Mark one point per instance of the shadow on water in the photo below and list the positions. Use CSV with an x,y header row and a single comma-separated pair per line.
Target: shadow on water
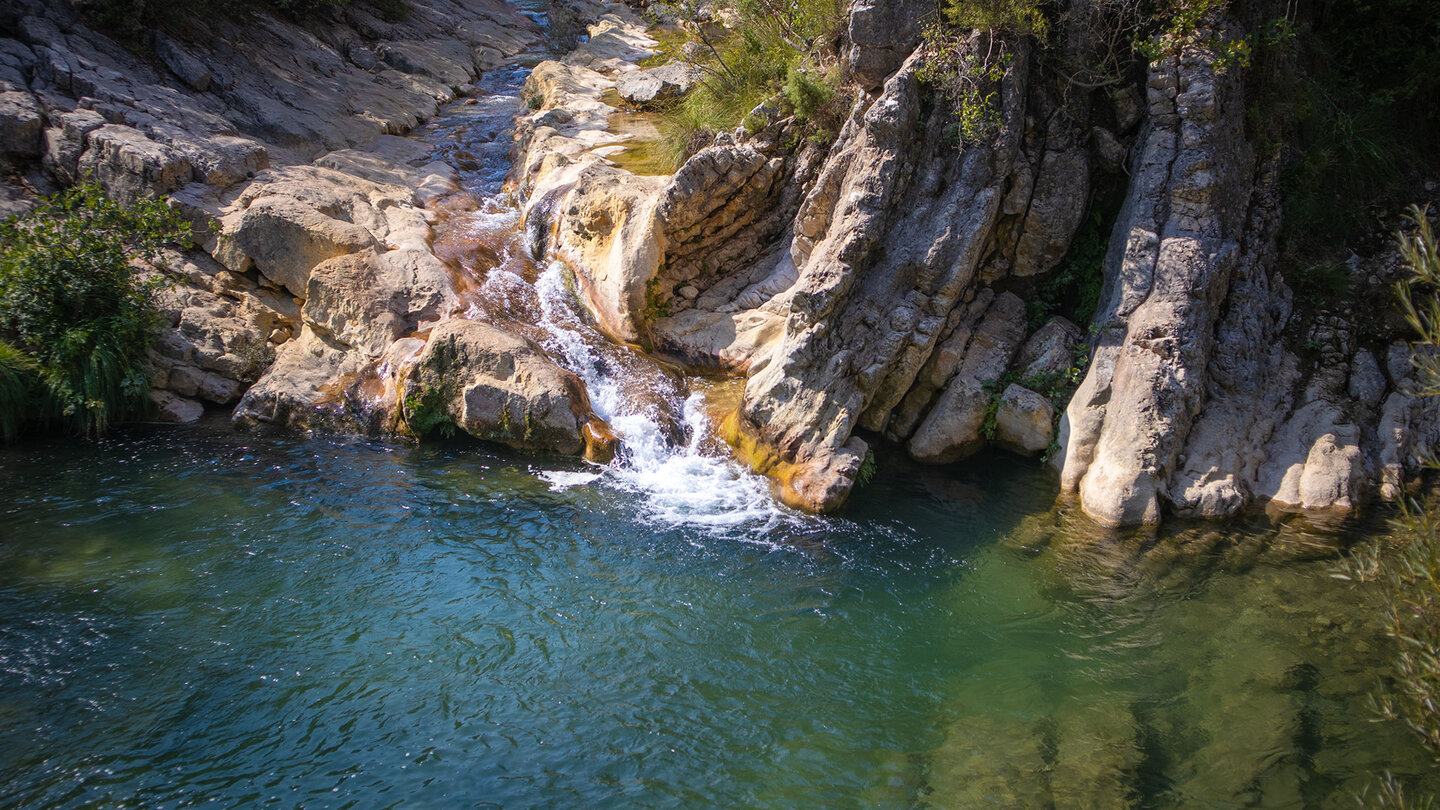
x,y
1203,665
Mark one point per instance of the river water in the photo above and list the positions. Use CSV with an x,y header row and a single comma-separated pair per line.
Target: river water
x,y
200,615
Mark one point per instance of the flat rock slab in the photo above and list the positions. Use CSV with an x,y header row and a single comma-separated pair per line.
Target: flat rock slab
x,y
657,85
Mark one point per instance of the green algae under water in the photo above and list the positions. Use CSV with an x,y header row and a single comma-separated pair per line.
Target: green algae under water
x,y
207,616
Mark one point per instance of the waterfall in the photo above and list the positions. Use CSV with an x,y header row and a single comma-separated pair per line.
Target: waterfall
x,y
669,464
679,482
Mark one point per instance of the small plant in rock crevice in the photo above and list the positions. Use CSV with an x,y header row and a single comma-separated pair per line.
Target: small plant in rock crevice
x,y
1058,387
1075,284
866,473
657,304
425,413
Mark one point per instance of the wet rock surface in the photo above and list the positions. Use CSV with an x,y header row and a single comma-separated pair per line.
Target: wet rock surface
x,y
497,386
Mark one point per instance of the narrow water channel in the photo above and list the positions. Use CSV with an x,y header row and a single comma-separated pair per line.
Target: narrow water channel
x,y
200,615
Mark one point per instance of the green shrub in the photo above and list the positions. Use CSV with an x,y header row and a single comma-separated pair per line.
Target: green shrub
x,y
806,92
18,381
866,473
1410,577
746,67
1343,94
1022,17
1074,287
966,78
73,312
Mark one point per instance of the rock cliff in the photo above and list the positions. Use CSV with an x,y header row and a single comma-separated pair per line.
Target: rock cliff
x,y
897,282
878,289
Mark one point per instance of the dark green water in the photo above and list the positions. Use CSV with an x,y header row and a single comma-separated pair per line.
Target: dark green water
x,y
194,617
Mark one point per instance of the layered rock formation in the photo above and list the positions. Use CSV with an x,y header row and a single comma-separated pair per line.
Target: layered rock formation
x,y
315,290
880,286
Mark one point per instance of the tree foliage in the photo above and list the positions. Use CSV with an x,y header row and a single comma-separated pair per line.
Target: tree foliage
x,y
75,318
1410,575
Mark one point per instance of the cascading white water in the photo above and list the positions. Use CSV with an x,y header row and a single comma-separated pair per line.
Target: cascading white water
x,y
678,477
679,483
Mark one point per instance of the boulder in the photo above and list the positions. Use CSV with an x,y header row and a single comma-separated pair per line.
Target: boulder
x,y
172,408
657,85
498,386
130,165
881,34
1024,421
348,301
64,142
21,123
953,428
285,239
1051,350
1315,461
1367,382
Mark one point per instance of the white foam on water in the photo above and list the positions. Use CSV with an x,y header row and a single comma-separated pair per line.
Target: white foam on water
x,y
678,485
561,480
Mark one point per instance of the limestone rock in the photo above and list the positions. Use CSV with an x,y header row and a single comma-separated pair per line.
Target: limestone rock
x,y
1024,421
1174,248
874,293
298,390
65,142
1367,382
657,85
348,301
220,321
1051,350
881,34
190,70
172,408
130,165
608,232
1315,461
260,76
20,124
717,341
285,238
498,386
617,40
953,428
1055,206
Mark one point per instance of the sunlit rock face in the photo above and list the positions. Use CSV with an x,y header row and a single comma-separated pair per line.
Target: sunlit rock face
x,y
895,297
306,273
891,281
